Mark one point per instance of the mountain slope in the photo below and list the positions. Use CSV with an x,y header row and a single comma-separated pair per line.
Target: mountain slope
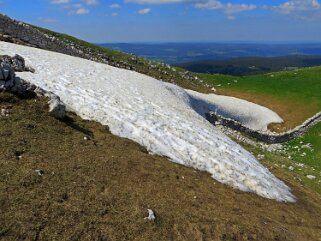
x,y
157,115
22,33
100,188
294,95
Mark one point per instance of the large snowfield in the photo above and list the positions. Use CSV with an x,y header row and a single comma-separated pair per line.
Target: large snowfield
x,y
164,118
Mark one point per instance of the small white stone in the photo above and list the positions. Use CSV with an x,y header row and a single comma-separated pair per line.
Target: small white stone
x,y
151,215
291,168
311,177
39,172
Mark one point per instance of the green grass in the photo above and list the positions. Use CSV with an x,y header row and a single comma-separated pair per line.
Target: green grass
x,y
312,157
295,90
303,85
294,95
293,165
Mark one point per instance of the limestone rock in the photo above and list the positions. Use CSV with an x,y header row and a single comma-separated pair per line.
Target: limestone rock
x,y
56,108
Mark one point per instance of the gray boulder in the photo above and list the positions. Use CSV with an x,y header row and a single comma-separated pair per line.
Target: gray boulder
x,y
7,76
56,108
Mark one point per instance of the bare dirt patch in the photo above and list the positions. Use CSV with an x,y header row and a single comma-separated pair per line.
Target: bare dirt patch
x,y
99,188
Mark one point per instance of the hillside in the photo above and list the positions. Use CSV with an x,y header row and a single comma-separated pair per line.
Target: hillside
x,y
294,95
100,188
129,144
252,65
23,33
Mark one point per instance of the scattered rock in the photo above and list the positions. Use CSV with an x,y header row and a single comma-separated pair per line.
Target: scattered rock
x,y
300,165
311,177
56,108
151,215
39,172
303,154
260,157
307,146
4,112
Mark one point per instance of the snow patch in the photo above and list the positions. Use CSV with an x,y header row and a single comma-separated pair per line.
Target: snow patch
x,y
250,115
160,116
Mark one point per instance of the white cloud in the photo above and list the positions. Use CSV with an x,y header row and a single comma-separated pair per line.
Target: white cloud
x,y
114,14
78,9
158,1
228,8
81,11
295,6
114,5
91,2
144,11
60,1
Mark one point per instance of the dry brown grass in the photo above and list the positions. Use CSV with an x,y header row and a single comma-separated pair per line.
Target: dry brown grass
x,y
100,189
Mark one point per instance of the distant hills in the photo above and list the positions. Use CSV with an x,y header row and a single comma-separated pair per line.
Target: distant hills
x,y
252,65
177,53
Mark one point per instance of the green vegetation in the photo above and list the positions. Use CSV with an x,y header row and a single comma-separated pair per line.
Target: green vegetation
x,y
303,85
294,95
307,149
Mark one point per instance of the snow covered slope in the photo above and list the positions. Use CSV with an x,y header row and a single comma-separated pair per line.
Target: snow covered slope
x,y
159,116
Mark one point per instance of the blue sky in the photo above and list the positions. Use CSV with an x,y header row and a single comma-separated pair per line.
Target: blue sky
x,y
102,21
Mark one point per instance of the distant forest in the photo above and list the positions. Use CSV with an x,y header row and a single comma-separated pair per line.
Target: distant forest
x,y
252,65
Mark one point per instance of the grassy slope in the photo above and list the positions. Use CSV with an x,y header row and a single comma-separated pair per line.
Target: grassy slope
x,y
100,189
312,157
294,95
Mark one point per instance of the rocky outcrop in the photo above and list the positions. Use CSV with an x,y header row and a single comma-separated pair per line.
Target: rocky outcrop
x,y
16,62
9,81
13,31
7,75
8,67
266,137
